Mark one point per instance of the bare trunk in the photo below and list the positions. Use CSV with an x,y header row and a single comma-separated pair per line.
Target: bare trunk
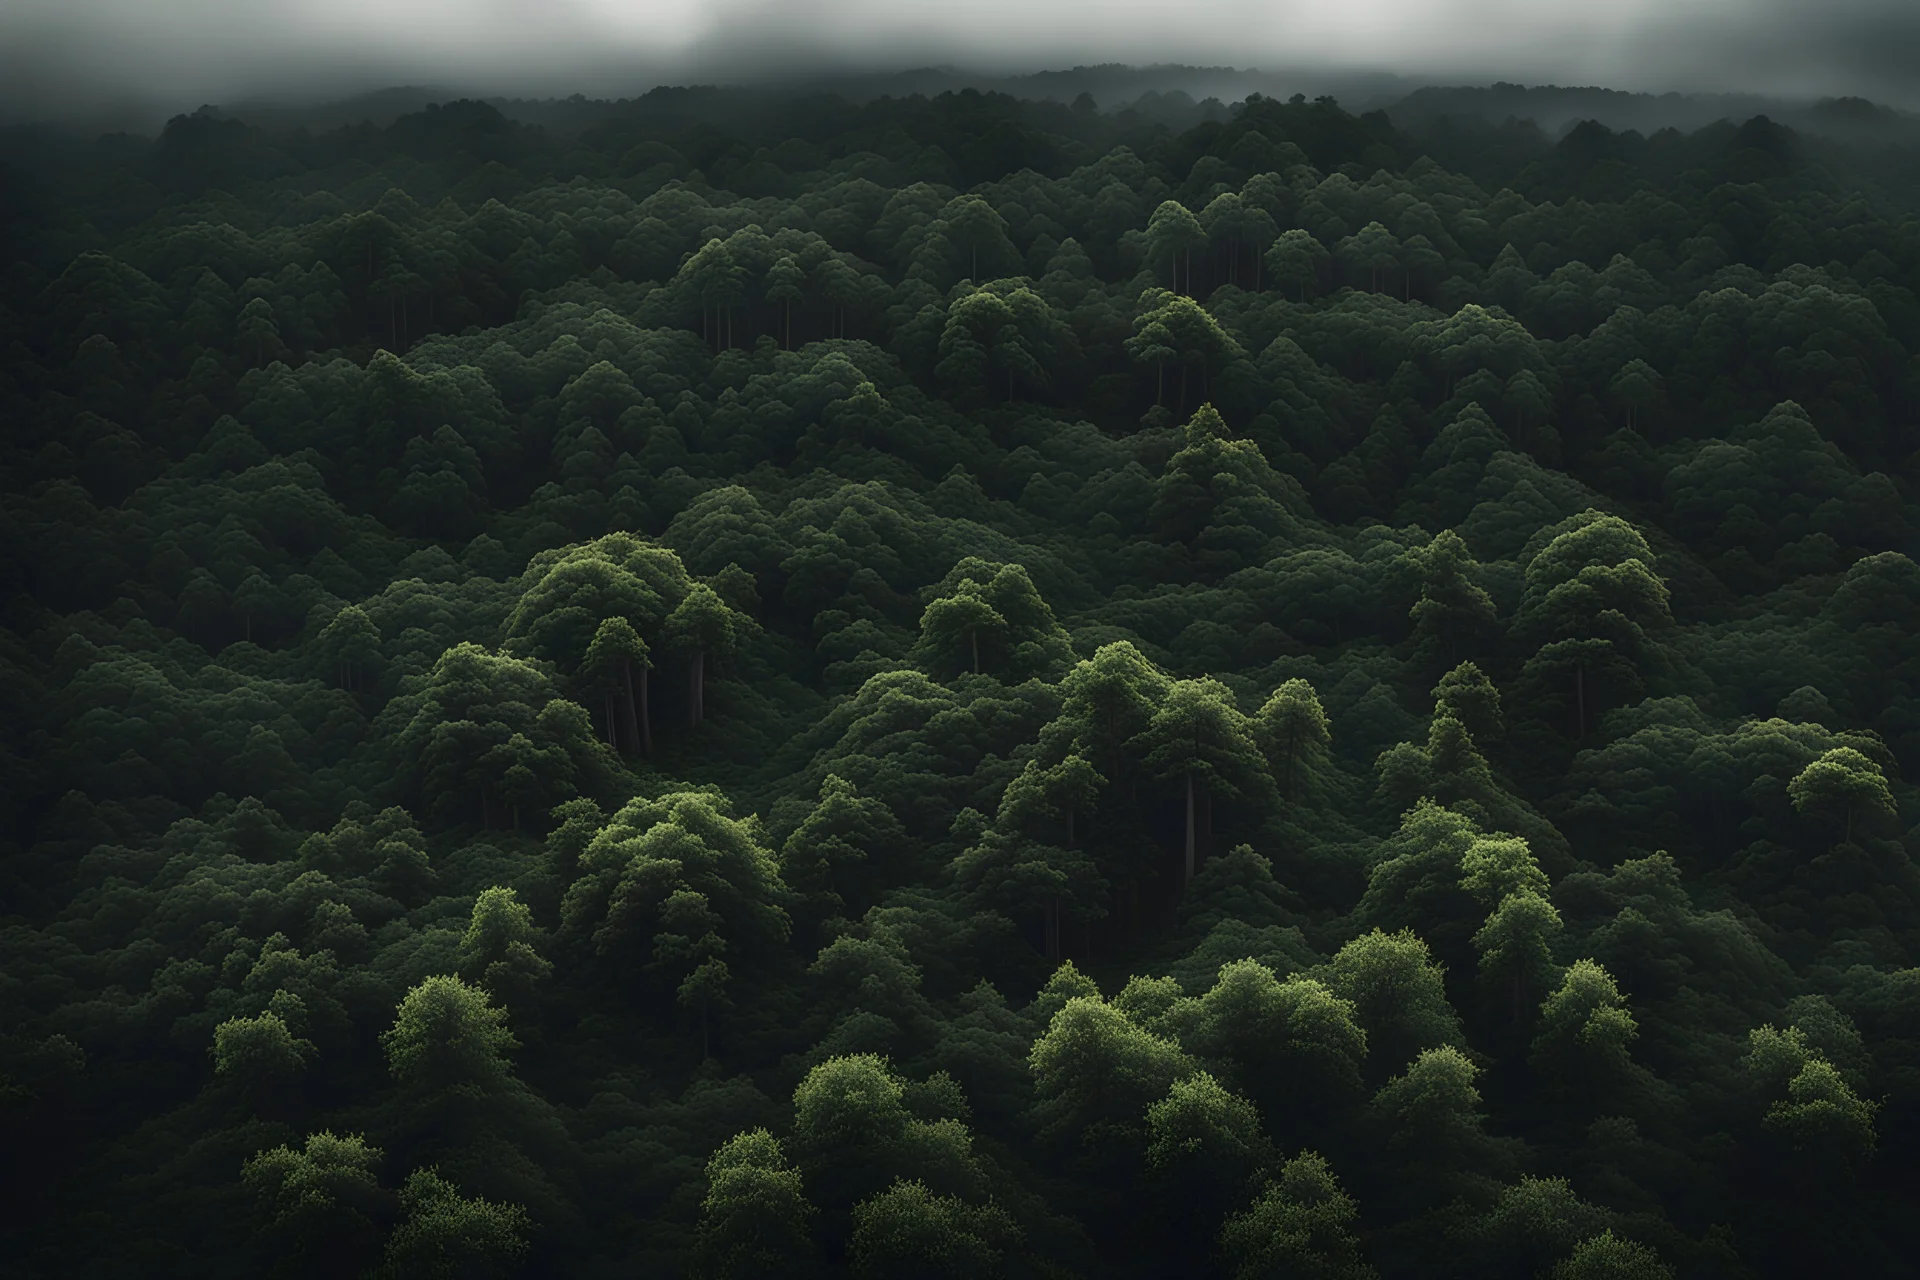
x,y
973,638
696,687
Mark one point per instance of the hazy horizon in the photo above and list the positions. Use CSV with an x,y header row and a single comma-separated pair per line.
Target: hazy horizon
x,y
89,58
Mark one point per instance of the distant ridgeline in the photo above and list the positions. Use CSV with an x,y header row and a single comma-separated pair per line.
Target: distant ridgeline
x,y
820,683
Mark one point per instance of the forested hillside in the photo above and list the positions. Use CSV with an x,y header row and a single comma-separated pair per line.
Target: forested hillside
x,y
958,687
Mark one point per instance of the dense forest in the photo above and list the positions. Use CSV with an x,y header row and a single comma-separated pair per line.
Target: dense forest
x,y
735,685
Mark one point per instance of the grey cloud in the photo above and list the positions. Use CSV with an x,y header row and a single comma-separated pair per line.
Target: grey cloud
x,y
75,56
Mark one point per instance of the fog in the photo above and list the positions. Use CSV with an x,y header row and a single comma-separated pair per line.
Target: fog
x,y
80,58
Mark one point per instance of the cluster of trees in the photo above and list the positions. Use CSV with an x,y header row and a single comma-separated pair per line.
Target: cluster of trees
x,y
958,687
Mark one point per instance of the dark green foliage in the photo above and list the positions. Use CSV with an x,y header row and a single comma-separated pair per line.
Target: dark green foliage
x,y
771,683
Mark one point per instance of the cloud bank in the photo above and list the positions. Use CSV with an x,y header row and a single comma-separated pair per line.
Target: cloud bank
x,y
67,56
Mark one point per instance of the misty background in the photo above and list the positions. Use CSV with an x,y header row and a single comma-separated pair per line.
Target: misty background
x,y
123,64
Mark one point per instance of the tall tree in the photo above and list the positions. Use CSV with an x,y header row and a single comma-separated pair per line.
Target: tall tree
x,y
1199,738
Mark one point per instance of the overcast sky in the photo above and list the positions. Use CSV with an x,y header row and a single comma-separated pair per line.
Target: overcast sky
x,y
67,54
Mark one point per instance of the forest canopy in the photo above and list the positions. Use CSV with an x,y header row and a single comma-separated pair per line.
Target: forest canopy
x,y
731,685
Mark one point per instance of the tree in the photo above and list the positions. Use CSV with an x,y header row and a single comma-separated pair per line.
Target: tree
x,y
1172,232
1466,695
1593,596
1844,780
324,1198
1636,387
843,850
755,1216
1399,997
990,617
1095,1073
1373,249
445,1234
1585,1028
715,279
1430,1119
689,946
350,644
1108,701
258,1052
974,224
1031,858
960,617
1198,737
612,657
1290,725
1453,611
1284,1043
447,1034
1206,1152
702,624
1822,1116
1609,1257
499,950
1516,948
1176,328
1493,867
1153,343
1296,258
786,285
1302,1225
1808,1105
908,1230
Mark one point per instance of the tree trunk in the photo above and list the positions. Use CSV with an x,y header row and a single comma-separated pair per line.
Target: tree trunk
x,y
696,687
612,742
973,638
646,718
631,713
1189,825
1053,930
787,326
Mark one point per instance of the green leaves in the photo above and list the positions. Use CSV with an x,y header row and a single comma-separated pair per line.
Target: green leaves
x,y
258,1051
445,1234
447,1034
1302,1225
1842,781
755,1216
